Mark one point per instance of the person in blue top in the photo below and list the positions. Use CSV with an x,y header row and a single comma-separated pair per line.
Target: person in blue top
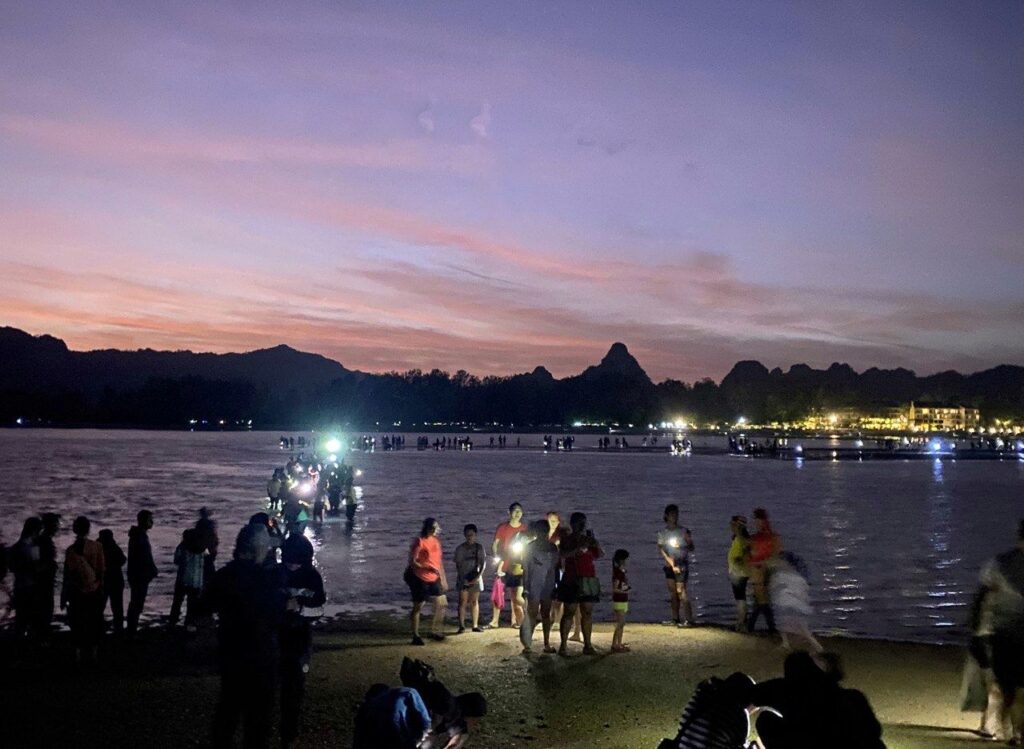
x,y
391,718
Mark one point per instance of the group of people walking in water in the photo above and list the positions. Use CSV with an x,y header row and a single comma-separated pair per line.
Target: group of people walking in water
x,y
547,572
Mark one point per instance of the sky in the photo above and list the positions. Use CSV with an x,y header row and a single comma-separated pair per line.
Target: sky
x,y
497,186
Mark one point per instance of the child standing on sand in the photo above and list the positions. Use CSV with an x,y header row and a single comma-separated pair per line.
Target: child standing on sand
x,y
620,598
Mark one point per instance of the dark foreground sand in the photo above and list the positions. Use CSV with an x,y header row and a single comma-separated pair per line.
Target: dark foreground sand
x,y
159,691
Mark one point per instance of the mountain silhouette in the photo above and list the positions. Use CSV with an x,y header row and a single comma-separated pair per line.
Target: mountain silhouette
x,y
43,382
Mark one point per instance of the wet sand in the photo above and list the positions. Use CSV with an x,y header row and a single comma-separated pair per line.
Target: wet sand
x,y
160,690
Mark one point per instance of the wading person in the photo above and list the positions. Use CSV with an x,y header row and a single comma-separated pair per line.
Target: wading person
x,y
113,581
82,591
675,545
470,561
579,587
304,588
764,545
739,568
141,568
249,601
540,569
997,618
426,579
508,547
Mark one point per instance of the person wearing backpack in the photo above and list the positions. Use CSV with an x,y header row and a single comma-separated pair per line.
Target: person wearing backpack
x,y
82,591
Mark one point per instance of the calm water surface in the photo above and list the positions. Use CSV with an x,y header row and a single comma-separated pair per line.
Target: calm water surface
x,y
894,548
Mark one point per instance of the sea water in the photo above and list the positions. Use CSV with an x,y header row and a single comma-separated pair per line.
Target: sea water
x,y
893,548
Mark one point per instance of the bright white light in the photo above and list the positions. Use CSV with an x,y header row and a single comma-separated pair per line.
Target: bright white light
x,y
859,443
359,472
333,458
674,542
577,423
1020,446
936,446
741,420
333,445
799,448
517,547
306,488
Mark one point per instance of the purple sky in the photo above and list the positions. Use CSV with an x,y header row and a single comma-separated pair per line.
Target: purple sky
x,y
493,186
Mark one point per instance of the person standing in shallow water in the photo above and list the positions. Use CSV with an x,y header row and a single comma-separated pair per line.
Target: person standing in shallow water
x,y
113,581
141,568
739,568
675,545
82,591
764,545
540,567
470,561
426,579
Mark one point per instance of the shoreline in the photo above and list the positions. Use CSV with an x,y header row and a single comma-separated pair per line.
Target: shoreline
x,y
162,687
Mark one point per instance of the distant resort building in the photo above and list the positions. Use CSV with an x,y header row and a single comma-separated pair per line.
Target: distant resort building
x,y
915,417
925,417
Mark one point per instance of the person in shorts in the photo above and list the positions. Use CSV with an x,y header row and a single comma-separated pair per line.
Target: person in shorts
x,y
508,549
620,598
426,579
579,587
675,545
739,568
470,561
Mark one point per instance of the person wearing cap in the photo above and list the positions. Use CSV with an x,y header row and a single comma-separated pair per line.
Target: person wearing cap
x,y
304,589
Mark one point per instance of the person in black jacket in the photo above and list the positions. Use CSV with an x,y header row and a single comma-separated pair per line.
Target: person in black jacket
x,y
113,581
304,589
141,568
249,601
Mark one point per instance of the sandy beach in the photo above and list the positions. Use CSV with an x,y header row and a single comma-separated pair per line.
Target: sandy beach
x,y
160,690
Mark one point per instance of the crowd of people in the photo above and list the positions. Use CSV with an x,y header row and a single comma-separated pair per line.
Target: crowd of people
x,y
265,598
546,571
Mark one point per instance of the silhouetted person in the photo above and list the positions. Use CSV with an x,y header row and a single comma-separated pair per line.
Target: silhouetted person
x,y
206,529
249,601
304,589
188,583
24,563
141,567
82,591
113,580
42,614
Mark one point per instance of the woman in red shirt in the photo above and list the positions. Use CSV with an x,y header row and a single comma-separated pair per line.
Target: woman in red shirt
x,y
426,579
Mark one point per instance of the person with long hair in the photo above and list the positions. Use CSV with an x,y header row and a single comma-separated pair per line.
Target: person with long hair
x,y
426,579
